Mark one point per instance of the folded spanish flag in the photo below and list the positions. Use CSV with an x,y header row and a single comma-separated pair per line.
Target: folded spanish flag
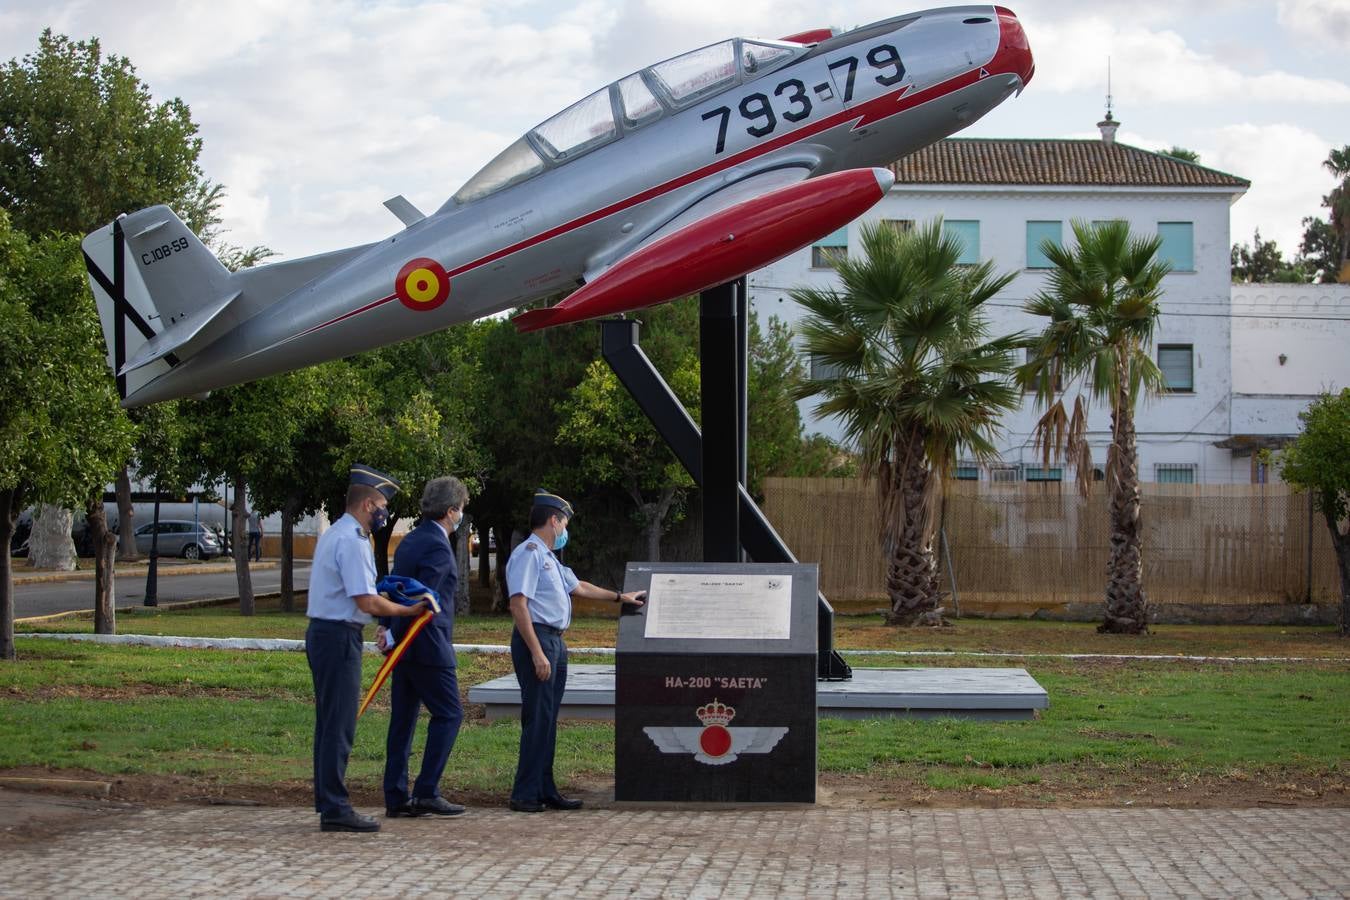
x,y
404,591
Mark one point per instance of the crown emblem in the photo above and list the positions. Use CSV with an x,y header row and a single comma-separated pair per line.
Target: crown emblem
x,y
715,713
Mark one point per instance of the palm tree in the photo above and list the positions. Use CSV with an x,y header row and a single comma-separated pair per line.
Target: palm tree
x,y
913,378
1102,305
1338,201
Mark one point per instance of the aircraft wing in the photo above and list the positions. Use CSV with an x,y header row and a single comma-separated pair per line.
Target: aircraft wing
x,y
740,229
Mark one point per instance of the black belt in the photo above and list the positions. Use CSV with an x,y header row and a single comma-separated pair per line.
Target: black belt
x,y
547,629
355,626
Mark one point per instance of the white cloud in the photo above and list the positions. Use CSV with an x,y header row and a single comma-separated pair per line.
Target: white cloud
x,y
1324,23
1284,164
1159,67
313,112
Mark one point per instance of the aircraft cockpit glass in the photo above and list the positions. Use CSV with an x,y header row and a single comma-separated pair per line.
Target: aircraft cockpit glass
x,y
757,58
697,73
578,128
514,164
639,103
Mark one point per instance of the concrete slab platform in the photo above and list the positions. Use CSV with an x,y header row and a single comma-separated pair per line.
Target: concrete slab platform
x,y
967,693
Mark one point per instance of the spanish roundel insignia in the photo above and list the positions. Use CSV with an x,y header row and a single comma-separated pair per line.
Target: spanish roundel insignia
x,y
715,744
422,284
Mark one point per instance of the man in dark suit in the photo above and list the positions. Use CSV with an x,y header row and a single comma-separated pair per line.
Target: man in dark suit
x,y
426,674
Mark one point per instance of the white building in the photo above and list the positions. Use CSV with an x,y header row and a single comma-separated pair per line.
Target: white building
x,y
1291,342
1003,197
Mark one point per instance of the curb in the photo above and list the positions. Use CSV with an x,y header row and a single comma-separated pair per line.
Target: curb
x,y
177,604
64,785
164,571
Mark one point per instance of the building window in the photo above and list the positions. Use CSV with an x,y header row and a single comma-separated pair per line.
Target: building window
x,y
1174,473
968,233
1040,473
827,251
966,472
1175,361
1003,474
1031,389
1037,233
823,371
901,225
1178,245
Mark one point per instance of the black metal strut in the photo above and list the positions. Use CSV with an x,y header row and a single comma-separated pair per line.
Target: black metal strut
x,y
715,459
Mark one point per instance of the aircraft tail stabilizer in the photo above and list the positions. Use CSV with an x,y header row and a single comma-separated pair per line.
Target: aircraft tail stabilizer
x,y
157,288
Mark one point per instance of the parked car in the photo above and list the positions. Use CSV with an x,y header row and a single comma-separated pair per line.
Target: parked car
x,y
473,541
178,537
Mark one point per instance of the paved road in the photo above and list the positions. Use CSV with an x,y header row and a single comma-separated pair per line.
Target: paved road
x,y
814,852
63,596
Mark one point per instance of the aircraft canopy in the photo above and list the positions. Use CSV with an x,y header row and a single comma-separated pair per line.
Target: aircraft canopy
x,y
627,104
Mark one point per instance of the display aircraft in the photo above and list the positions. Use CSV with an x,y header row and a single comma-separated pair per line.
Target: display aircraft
x,y
676,178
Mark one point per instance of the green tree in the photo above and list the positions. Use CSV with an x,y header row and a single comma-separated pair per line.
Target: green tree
x,y
235,432
420,422
524,380
1102,310
615,445
1338,203
1262,263
1319,461
1182,154
298,478
84,141
1325,248
774,424
1319,250
61,430
914,377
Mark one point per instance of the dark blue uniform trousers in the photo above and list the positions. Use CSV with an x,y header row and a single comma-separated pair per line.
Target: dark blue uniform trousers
x,y
334,653
539,704
416,685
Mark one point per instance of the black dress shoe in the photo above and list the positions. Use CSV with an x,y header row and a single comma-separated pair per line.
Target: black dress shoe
x,y
437,806
562,803
526,807
351,820
403,809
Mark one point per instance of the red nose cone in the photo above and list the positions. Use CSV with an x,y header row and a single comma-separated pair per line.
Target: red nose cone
x,y
1014,53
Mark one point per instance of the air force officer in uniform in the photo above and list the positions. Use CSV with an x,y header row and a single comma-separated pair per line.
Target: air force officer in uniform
x,y
426,674
541,590
342,599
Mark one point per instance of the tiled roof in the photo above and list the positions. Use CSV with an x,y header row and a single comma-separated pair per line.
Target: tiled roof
x,y
1053,162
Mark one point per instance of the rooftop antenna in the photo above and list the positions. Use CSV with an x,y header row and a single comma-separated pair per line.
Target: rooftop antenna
x,y
1109,124
1108,87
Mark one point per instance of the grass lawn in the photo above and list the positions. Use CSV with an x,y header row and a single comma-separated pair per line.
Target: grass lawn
x,y
1017,636
244,720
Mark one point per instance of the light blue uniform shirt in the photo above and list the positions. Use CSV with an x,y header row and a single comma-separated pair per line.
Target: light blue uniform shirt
x,y
343,568
534,571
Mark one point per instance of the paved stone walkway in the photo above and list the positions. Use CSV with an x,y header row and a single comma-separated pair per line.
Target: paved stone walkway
x,y
817,852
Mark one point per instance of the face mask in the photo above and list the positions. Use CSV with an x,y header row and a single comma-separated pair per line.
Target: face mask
x,y
560,541
378,519
454,526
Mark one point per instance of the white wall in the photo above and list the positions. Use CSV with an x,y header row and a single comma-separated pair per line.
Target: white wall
x,y
1173,429
1307,324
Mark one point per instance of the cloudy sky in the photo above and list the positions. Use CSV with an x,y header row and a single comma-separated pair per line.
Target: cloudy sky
x,y
313,113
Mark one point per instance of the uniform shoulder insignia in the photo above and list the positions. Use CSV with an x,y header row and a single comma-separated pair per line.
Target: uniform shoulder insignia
x,y
530,546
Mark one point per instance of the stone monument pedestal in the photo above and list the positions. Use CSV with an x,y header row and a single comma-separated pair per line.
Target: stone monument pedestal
x,y
715,692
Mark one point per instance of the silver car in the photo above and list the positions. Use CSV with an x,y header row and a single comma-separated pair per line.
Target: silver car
x,y
179,537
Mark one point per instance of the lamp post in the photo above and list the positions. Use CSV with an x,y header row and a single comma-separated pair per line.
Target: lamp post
x,y
152,573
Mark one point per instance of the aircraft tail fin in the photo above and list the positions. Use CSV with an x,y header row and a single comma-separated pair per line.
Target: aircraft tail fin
x,y
157,288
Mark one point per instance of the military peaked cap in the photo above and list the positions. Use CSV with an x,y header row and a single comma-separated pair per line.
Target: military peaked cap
x,y
545,498
385,484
